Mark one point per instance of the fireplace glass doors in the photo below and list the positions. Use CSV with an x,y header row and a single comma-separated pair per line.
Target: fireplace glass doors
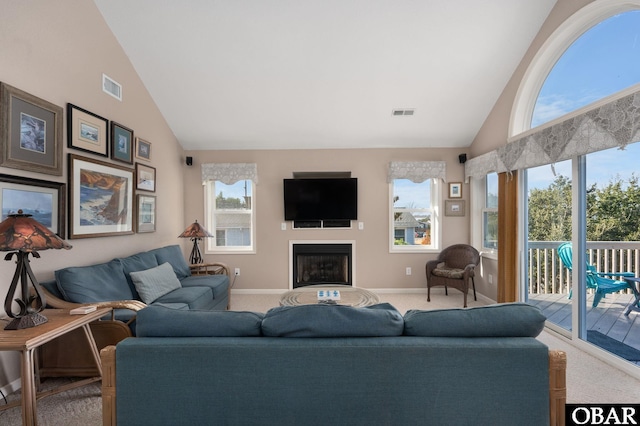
x,y
315,264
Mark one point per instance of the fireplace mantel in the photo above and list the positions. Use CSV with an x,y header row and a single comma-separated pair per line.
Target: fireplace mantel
x,y
293,282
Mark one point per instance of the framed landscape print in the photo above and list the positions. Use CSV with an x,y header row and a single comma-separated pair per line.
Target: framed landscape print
x,y
143,149
101,198
455,190
87,131
146,213
145,177
45,201
454,208
30,132
121,143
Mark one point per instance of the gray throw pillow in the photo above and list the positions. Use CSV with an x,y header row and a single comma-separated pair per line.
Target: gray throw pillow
x,y
498,320
332,321
155,282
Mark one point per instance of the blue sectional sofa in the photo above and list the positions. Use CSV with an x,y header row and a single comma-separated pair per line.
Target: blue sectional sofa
x,y
335,365
156,277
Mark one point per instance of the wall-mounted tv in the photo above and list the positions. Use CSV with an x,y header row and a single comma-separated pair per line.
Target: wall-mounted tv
x,y
321,199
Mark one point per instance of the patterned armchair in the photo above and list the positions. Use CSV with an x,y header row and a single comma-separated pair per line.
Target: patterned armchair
x,y
454,267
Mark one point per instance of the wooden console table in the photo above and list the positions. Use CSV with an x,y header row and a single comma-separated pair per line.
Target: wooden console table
x,y
27,340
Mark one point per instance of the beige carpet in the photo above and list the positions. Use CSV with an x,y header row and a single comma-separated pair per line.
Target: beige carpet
x,y
589,380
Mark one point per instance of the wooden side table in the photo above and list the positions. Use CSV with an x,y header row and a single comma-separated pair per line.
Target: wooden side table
x,y
27,340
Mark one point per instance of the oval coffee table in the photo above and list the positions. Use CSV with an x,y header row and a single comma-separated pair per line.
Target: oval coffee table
x,y
350,296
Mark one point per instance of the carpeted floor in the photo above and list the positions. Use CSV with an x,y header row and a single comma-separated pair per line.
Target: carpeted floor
x,y
589,380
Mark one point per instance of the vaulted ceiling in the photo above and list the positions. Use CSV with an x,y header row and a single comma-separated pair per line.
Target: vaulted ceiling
x,y
285,74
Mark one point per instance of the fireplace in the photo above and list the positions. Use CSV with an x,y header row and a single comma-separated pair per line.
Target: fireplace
x,y
321,263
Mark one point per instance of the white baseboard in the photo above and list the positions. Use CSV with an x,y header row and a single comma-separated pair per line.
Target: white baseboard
x,y
11,387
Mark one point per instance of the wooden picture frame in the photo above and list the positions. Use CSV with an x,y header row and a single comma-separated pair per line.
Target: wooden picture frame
x,y
455,190
454,208
145,177
45,201
30,132
121,143
146,213
143,149
100,198
87,131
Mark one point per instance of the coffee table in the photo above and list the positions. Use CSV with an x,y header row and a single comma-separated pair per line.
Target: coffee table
x,y
349,295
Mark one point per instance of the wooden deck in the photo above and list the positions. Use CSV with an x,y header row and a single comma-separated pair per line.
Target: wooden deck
x,y
608,317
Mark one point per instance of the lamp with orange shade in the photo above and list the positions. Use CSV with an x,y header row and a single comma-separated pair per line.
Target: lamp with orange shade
x,y
22,235
196,232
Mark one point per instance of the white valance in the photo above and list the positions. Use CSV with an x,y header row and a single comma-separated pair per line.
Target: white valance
x,y
615,123
417,171
229,173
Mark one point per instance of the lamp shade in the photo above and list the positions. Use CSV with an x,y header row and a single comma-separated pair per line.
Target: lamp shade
x,y
195,230
22,232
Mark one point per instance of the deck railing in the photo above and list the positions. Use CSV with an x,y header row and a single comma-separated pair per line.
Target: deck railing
x,y
547,274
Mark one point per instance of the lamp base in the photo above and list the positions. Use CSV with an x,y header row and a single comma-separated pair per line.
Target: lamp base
x,y
27,321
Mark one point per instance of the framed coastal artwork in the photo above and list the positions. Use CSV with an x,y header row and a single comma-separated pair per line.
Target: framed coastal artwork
x,y
146,213
43,200
143,149
30,132
101,198
455,190
145,177
121,143
87,131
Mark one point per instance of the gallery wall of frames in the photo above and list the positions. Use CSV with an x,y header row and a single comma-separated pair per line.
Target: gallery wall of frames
x,y
110,180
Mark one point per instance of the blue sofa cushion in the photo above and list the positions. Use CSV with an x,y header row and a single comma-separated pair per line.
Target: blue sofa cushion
x,y
219,284
332,321
96,283
155,282
160,321
174,256
499,320
195,297
137,262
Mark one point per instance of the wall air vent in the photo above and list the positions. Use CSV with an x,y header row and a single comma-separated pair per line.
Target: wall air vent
x,y
399,112
111,87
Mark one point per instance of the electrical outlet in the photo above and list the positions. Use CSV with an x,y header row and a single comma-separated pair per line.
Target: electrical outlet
x,y
490,279
408,270
237,272
360,226
283,226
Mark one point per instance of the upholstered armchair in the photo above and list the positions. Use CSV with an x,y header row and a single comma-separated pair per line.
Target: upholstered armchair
x,y
454,267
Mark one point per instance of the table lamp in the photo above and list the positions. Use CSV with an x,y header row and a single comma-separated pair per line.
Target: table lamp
x,y
21,235
196,232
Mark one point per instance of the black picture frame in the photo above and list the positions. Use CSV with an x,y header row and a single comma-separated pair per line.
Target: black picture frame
x,y
44,200
87,131
30,132
145,178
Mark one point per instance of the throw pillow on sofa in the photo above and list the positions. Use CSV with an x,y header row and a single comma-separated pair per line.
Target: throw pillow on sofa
x,y
498,320
155,282
333,321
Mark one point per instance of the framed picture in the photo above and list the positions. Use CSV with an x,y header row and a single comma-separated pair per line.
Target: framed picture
x,y
87,131
101,198
121,143
143,149
455,190
145,177
146,213
45,201
454,208
30,132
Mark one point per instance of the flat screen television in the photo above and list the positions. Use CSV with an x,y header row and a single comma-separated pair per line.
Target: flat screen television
x,y
321,199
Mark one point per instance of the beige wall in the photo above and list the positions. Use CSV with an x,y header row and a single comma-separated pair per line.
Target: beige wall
x,y
58,50
375,266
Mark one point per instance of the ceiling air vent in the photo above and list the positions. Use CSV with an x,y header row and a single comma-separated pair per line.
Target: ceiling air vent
x,y
111,87
399,112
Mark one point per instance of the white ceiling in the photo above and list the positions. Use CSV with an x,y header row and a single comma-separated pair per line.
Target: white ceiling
x,y
283,74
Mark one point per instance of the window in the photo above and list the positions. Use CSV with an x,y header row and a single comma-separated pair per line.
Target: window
x,y
414,223
230,216
490,213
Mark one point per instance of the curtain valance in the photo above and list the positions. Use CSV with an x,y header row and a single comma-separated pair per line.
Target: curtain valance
x,y
615,123
229,173
417,171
